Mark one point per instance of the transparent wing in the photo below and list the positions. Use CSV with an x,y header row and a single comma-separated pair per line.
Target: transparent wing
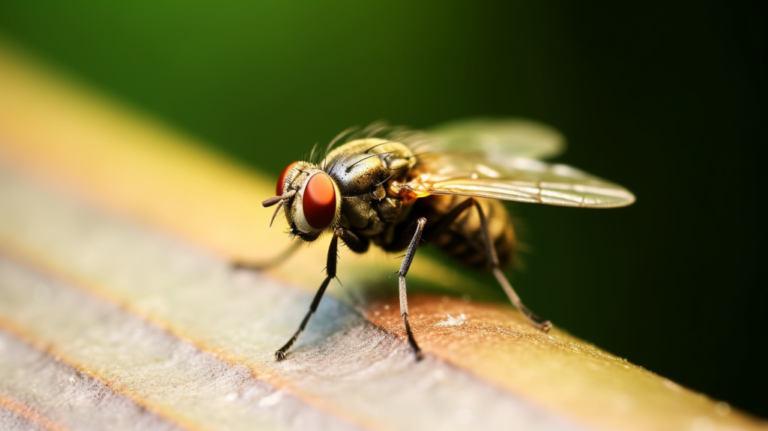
x,y
510,137
513,179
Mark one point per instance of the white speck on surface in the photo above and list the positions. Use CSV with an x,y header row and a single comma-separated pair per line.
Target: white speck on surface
x,y
271,400
453,321
439,374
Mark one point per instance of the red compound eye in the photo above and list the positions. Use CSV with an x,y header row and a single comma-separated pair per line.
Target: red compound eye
x,y
319,201
281,178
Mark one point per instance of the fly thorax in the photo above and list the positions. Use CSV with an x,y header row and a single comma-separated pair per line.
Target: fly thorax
x,y
358,174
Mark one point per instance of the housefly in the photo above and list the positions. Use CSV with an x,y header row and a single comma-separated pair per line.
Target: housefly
x,y
394,188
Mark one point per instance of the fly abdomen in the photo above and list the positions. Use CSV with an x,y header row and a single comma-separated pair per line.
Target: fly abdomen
x,y
463,239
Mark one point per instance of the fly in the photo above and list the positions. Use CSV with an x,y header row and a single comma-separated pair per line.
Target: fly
x,y
395,188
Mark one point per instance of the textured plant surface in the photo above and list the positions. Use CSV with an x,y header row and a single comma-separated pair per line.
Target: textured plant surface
x,y
119,308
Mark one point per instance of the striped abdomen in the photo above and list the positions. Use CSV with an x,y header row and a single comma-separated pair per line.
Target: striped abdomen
x,y
464,238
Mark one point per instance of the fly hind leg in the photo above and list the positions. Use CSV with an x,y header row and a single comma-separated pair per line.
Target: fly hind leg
x,y
544,325
493,258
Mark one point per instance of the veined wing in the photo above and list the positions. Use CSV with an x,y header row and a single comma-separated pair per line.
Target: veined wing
x,y
510,137
514,179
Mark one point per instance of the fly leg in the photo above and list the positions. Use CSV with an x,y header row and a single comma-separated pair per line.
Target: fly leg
x,y
330,271
353,241
404,266
270,263
544,325
493,259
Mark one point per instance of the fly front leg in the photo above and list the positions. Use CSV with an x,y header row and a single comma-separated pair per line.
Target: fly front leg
x,y
330,271
404,266
544,325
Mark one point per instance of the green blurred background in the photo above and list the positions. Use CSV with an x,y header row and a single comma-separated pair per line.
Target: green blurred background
x,y
662,98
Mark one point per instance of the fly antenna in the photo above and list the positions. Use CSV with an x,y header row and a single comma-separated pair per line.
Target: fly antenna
x,y
272,220
271,201
276,199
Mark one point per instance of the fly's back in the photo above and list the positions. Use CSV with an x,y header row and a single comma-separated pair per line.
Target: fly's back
x,y
364,169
